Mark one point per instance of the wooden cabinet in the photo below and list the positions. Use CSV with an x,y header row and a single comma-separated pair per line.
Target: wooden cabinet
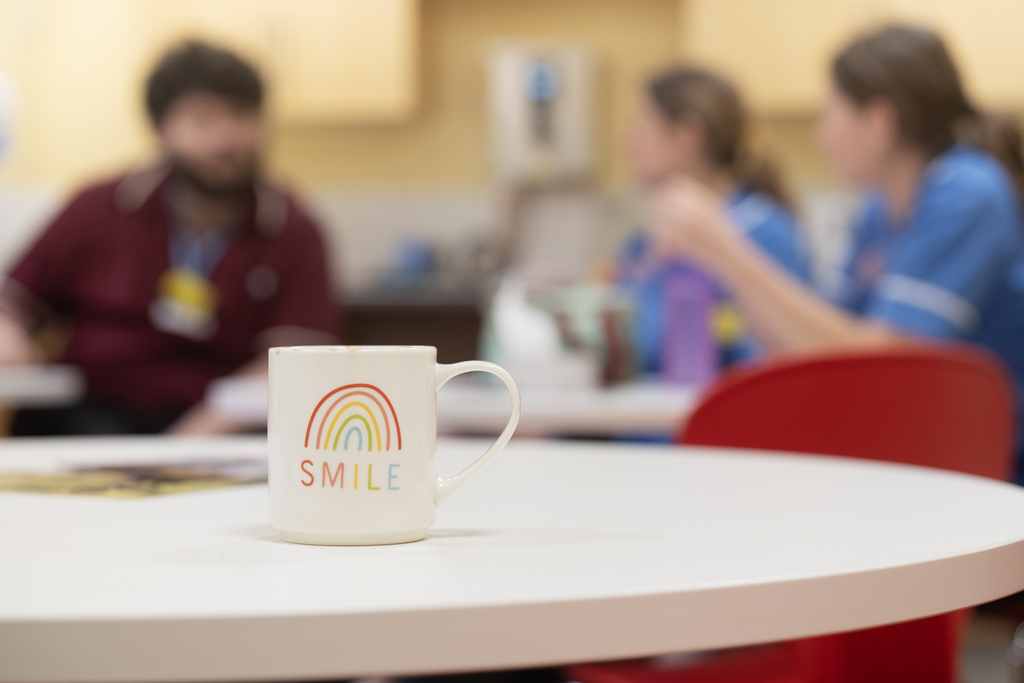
x,y
78,68
347,61
778,51
327,61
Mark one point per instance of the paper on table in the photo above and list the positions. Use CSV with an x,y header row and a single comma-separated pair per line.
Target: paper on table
x,y
138,481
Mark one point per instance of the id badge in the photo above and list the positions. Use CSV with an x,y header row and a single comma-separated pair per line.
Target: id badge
x,y
728,324
185,305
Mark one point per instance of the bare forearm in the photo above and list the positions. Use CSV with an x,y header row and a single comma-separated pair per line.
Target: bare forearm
x,y
787,316
254,368
204,418
690,221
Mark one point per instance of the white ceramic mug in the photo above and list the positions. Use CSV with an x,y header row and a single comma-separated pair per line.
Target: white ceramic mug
x,y
352,432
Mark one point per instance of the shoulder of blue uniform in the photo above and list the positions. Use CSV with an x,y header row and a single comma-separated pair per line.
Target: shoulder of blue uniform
x,y
967,233
967,176
969,203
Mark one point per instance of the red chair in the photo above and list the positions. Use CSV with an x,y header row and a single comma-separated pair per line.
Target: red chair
x,y
947,407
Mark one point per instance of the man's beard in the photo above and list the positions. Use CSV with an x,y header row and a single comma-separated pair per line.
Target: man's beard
x,y
232,188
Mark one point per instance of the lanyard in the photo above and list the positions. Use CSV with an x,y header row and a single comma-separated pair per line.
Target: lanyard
x,y
198,253
186,301
186,250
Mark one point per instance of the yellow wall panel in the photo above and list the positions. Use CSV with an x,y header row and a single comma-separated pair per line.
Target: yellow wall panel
x,y
79,67
74,65
779,50
446,143
346,61
776,50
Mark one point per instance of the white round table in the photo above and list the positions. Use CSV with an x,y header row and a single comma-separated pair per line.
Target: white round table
x,y
633,408
557,552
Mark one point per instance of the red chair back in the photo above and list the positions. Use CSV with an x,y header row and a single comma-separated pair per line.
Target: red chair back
x,y
947,408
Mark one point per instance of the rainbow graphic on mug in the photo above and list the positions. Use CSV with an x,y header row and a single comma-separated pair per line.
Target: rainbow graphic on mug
x,y
354,419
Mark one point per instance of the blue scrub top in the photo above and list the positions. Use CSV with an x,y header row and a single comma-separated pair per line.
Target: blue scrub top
x,y
955,269
766,222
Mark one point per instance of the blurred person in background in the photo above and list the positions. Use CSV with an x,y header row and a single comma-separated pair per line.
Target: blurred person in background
x,y
692,124
938,250
175,275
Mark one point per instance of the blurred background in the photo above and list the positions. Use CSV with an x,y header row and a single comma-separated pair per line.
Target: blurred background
x,y
464,158
440,140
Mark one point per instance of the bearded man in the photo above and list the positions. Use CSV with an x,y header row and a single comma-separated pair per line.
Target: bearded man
x,y
175,275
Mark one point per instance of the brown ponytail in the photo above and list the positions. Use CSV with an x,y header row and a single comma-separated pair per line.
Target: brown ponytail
x,y
910,67
690,93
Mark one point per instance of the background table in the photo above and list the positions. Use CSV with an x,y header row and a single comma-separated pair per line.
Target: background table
x,y
554,553
40,386
473,408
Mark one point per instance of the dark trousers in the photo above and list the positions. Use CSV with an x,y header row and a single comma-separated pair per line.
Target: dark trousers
x,y
90,417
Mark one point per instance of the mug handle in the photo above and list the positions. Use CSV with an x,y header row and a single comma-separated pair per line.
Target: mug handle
x,y
445,487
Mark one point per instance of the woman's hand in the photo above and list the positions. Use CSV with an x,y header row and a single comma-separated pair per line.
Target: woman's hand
x,y
204,420
690,221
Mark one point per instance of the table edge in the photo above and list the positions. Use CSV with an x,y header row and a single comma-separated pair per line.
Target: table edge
x,y
476,638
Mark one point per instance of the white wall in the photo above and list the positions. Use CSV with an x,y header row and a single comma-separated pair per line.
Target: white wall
x,y
23,212
563,233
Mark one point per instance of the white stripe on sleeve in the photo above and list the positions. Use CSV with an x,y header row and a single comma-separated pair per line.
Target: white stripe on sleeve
x,y
931,298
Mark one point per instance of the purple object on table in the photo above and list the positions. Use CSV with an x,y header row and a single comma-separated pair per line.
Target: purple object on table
x,y
689,351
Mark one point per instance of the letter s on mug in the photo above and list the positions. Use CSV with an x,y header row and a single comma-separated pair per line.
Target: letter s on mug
x,y
308,473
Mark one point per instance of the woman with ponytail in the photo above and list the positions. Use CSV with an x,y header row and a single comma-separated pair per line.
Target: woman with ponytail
x,y
938,251
692,124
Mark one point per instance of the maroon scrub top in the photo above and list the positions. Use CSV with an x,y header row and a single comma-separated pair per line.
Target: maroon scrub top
x,y
98,263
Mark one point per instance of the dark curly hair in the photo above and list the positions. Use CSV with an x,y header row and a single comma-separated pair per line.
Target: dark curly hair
x,y
195,66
